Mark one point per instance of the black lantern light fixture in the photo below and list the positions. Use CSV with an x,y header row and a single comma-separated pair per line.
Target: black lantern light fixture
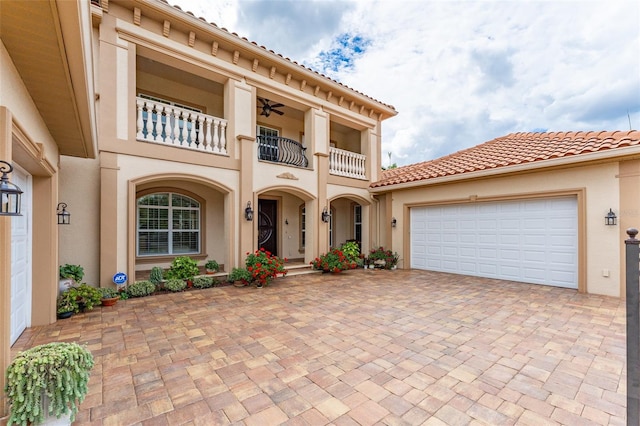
x,y
64,217
248,212
9,193
394,222
325,215
610,218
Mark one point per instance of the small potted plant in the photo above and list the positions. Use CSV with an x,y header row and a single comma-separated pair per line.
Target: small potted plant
x,y
70,276
66,306
383,259
240,277
84,296
110,296
47,381
212,266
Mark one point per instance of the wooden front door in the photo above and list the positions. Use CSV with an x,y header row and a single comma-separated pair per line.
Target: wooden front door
x,y
267,225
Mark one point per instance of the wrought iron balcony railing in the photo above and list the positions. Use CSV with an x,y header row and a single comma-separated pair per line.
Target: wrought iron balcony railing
x,y
282,150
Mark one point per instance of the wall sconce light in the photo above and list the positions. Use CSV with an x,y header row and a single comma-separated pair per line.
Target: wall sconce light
x,y
610,218
248,212
325,215
9,193
394,222
64,217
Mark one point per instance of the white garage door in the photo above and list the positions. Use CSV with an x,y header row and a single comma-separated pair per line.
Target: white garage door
x,y
532,241
21,258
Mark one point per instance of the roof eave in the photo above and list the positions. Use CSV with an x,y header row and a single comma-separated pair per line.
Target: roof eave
x,y
386,111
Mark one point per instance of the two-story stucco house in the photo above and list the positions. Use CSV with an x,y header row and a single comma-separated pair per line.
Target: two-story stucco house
x,y
165,135
197,126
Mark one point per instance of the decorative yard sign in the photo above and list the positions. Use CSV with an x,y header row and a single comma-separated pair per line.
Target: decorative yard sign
x,y
120,278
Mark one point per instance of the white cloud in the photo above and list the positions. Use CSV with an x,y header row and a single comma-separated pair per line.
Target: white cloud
x,y
461,73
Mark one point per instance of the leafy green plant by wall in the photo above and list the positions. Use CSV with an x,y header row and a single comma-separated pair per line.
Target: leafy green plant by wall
x,y
58,370
108,292
183,268
141,289
351,250
75,272
83,297
175,285
212,266
66,303
156,275
239,274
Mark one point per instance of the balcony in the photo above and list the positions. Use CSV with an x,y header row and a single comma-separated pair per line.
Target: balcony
x,y
282,150
179,127
347,163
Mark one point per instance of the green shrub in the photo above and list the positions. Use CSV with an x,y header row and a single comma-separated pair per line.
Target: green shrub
x,y
239,274
183,268
156,275
351,250
66,303
84,296
141,288
204,282
212,265
108,292
175,284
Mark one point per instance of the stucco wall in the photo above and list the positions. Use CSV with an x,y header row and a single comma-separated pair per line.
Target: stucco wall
x,y
601,193
79,242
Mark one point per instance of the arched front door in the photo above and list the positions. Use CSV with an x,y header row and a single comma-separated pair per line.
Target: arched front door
x,y
267,225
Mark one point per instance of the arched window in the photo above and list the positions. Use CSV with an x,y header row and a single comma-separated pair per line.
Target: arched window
x,y
168,224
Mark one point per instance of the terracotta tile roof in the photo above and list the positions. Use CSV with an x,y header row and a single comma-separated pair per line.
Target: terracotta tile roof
x,y
246,40
510,150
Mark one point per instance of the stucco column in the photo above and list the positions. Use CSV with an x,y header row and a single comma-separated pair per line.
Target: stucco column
x,y
322,227
629,214
5,265
248,153
44,274
109,219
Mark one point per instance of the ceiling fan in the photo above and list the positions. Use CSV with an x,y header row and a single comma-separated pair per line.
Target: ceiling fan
x,y
268,108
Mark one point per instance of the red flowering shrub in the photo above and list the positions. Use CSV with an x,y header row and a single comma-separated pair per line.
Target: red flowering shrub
x,y
263,266
334,261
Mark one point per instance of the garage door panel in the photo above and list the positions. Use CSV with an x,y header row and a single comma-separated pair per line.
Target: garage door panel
x,y
468,267
528,240
488,269
468,252
506,255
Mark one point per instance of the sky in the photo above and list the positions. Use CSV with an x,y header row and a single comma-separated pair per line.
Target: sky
x,y
459,73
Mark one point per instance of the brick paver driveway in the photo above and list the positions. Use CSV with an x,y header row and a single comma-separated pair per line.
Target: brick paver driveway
x,y
362,347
